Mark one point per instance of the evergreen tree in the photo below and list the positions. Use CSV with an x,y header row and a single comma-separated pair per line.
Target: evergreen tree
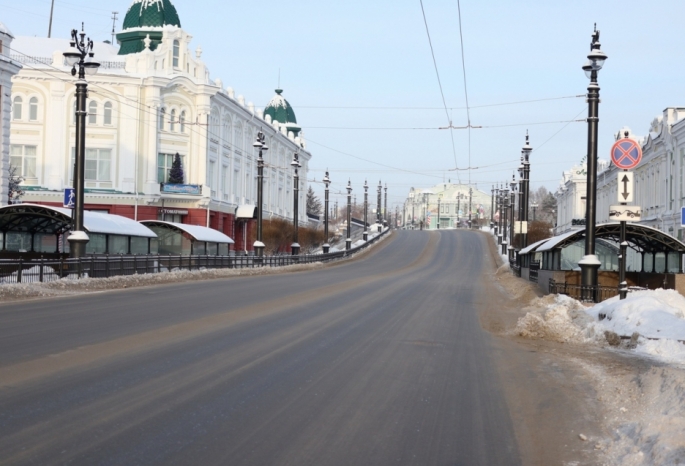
x,y
313,203
176,172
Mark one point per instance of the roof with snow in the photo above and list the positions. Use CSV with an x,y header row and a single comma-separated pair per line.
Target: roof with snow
x,y
196,232
151,13
281,111
34,218
4,30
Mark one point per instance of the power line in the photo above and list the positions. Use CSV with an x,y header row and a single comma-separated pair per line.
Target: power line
x,y
499,104
442,94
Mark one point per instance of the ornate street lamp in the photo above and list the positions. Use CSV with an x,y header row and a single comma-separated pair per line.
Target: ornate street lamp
x,y
437,223
534,205
326,246
260,143
527,149
385,205
505,208
378,208
589,264
512,223
295,247
366,211
492,207
348,241
470,200
80,58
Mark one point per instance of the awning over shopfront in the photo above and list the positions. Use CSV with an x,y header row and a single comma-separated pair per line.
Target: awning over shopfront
x,y
179,238
245,212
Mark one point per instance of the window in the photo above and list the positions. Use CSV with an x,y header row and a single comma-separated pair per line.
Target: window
x,y
16,108
225,182
98,164
172,123
162,116
24,158
210,174
182,121
108,114
92,113
236,186
176,53
164,162
33,109
238,138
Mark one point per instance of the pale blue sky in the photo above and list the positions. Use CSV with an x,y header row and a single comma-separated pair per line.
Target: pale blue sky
x,y
376,54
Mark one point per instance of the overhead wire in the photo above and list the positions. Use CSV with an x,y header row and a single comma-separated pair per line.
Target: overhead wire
x,y
437,73
466,94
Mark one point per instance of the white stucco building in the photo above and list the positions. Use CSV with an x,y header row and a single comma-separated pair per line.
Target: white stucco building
x,y
659,179
421,205
8,68
152,98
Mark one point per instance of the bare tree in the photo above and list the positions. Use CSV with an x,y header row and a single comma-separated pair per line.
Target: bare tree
x,y
14,185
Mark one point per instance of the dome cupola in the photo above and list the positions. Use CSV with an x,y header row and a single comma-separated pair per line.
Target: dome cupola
x,y
143,18
281,111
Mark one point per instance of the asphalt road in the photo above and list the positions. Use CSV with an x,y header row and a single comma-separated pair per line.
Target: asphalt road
x,y
377,361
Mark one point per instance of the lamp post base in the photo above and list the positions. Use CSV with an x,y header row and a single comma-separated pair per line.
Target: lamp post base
x,y
77,243
295,249
365,236
326,248
258,251
348,244
589,266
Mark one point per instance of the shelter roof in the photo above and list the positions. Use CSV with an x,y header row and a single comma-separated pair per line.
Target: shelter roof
x,y
197,232
639,237
532,247
34,218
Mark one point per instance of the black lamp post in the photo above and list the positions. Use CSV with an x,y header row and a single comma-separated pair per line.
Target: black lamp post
x,y
470,200
535,208
527,149
512,222
492,208
438,216
378,208
505,209
589,264
500,218
326,246
348,241
80,58
260,143
295,247
366,211
385,205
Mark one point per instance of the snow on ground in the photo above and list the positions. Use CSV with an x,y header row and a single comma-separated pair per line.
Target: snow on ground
x,y
649,322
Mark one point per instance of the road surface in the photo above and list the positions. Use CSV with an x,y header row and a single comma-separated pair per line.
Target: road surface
x,y
377,361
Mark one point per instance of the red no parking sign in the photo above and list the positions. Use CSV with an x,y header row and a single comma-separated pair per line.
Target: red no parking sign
x,y
626,153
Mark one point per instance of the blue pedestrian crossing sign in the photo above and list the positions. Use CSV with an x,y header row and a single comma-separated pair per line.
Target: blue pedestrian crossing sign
x,y
682,216
69,198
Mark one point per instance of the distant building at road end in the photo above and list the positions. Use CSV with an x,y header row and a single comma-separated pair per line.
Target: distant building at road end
x,y
452,200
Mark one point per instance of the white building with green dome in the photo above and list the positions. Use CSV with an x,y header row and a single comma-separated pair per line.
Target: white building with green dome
x,y
151,99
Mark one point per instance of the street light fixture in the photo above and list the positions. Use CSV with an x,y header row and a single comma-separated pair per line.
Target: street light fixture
x,y
512,222
378,208
260,143
295,247
525,199
385,205
589,264
80,58
326,246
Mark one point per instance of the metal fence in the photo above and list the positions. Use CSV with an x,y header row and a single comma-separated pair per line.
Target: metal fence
x,y
583,293
103,266
533,271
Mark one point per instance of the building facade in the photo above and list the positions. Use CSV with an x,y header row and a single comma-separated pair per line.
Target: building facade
x,y
151,100
422,207
8,69
659,187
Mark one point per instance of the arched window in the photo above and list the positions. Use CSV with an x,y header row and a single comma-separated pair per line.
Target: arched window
x,y
16,109
33,109
92,113
172,122
108,114
182,121
177,46
162,116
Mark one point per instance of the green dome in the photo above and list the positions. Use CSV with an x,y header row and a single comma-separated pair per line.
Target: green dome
x,y
151,13
143,18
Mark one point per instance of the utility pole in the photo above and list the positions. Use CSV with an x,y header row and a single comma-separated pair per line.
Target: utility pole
x,y
114,23
52,8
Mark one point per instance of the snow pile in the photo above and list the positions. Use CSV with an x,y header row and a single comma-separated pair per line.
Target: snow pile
x,y
650,322
657,316
557,318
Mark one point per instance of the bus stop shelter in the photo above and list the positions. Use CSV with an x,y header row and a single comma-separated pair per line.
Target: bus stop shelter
x,y
182,239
